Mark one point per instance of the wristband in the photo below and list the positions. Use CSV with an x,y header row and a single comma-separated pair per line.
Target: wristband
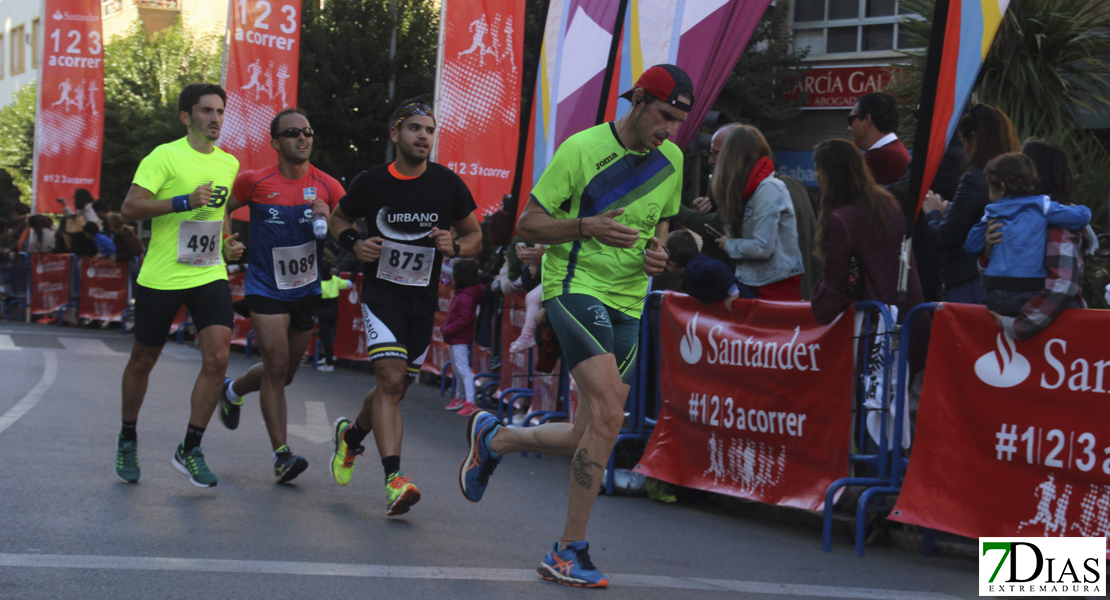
x,y
347,239
580,234
457,248
181,203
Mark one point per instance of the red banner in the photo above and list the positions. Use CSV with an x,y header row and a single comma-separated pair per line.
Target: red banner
x,y
103,289
1013,437
263,62
478,95
514,366
755,403
350,335
241,325
49,282
438,351
69,128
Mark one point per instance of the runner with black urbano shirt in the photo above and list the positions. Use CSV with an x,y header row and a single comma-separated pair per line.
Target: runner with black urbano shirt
x,y
410,206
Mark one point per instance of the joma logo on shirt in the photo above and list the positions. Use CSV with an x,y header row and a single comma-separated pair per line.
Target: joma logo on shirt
x,y
411,217
606,160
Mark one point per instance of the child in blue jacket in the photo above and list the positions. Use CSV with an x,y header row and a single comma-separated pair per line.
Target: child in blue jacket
x,y
1016,269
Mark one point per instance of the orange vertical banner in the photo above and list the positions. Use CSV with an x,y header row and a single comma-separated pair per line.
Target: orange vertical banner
x,y
69,128
260,77
478,94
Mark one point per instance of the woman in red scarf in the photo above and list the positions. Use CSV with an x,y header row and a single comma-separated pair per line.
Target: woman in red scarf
x,y
761,229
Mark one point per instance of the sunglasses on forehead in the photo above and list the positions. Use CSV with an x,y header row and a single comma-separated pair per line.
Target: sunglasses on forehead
x,y
293,132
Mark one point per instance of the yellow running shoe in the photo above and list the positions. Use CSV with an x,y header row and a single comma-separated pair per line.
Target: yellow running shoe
x,y
343,460
400,494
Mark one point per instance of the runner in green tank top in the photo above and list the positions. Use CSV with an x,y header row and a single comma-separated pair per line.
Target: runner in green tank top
x,y
183,187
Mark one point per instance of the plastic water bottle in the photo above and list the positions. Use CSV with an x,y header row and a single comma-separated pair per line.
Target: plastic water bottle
x,y
319,224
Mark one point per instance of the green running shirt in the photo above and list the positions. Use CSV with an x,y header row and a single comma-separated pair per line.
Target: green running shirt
x,y
592,173
175,169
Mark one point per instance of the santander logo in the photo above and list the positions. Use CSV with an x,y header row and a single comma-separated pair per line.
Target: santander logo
x,y
690,346
1003,367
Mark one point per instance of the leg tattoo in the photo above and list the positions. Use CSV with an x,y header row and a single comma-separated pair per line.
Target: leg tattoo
x,y
580,469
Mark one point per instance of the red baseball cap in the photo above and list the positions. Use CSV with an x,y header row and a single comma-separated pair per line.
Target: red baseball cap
x,y
667,83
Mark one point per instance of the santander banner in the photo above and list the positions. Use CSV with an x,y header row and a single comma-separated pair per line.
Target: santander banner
x,y
103,289
69,128
478,95
755,403
263,61
49,282
1025,419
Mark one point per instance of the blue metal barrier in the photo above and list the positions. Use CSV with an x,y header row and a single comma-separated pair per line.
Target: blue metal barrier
x,y
889,460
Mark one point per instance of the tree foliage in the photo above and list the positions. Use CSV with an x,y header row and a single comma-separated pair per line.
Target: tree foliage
x,y
768,69
143,75
345,72
17,138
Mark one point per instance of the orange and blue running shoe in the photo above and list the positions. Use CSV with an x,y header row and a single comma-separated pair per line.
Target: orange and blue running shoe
x,y
572,566
400,494
480,462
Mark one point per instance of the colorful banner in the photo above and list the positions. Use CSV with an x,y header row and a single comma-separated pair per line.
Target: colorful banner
x,y
756,403
478,84
103,289
49,282
963,31
350,335
705,38
263,53
1013,437
570,82
69,123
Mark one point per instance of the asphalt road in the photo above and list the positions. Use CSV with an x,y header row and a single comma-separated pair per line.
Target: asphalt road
x,y
70,530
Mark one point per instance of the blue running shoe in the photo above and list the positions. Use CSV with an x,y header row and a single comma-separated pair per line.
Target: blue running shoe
x,y
480,462
572,567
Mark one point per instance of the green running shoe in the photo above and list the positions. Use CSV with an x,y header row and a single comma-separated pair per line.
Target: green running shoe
x,y
127,461
288,465
343,459
192,464
400,495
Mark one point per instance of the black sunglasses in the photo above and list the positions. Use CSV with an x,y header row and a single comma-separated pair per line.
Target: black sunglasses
x,y
853,118
293,132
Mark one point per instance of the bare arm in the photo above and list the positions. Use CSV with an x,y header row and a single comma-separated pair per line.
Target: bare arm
x,y
538,227
655,254
469,238
140,204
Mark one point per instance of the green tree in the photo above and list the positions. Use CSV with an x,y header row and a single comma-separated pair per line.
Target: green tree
x,y
143,75
768,69
345,72
17,139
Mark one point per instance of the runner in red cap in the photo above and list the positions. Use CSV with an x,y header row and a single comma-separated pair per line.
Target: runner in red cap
x,y
601,208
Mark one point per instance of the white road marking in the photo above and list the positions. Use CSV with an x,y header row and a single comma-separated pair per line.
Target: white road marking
x,y
317,429
207,565
6,343
32,398
84,345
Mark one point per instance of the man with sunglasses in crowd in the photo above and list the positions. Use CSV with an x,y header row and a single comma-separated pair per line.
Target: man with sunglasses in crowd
x,y
182,187
873,123
410,206
283,282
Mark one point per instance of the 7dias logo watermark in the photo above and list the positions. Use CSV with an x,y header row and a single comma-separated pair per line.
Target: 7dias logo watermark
x,y
1038,566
